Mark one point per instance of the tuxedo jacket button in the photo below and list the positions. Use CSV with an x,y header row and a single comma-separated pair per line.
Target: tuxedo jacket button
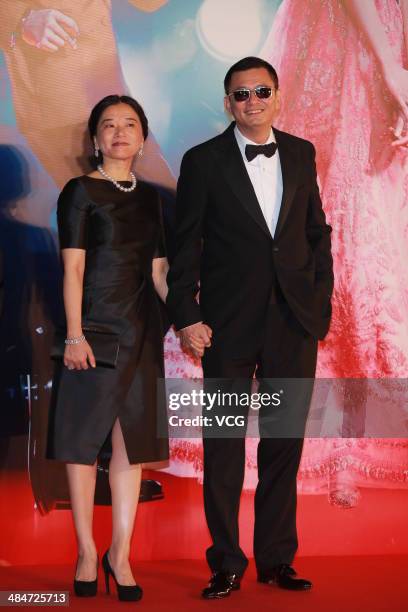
x,y
275,249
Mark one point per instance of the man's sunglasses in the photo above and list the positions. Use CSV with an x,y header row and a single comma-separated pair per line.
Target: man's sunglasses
x,y
244,93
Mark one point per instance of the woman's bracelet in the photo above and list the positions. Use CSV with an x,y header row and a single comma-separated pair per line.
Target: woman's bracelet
x,y
77,340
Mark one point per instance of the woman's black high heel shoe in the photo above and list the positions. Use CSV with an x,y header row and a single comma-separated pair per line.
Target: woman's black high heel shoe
x,y
86,588
125,592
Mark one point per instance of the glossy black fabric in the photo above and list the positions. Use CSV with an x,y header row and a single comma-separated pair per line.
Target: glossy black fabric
x,y
121,233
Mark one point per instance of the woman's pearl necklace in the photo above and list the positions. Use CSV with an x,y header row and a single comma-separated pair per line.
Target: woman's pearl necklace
x,y
118,185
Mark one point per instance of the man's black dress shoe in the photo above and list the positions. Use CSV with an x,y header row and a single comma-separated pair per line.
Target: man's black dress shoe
x,y
284,576
221,584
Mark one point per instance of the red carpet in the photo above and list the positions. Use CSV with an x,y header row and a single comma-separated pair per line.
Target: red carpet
x,y
341,584
175,528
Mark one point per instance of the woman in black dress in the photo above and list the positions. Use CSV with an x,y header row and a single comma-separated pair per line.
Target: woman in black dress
x,y
111,236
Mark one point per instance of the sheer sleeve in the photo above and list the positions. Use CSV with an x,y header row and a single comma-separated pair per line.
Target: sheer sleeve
x,y
160,250
73,216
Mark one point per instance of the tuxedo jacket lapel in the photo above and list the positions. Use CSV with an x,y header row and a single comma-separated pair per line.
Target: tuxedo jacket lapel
x,y
289,166
232,165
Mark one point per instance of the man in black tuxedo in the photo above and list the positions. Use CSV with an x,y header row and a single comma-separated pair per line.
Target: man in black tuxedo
x,y
250,228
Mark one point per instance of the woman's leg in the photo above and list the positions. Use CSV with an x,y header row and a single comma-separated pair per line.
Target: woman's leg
x,y
124,479
82,481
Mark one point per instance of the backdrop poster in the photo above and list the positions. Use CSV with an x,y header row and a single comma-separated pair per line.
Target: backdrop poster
x,y
172,55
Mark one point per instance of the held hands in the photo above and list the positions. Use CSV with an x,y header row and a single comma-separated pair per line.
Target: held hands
x,y
78,356
196,338
49,29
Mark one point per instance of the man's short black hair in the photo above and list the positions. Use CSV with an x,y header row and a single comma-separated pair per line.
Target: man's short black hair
x,y
248,63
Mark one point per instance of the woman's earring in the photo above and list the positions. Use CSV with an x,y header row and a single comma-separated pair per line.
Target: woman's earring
x,y
96,150
140,152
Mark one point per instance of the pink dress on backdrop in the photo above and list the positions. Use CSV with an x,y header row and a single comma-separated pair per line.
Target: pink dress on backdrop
x,y
333,94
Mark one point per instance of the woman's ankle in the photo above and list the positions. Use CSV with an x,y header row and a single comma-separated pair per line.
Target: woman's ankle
x,y
119,552
87,551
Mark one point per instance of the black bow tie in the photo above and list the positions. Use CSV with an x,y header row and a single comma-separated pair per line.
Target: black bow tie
x,y
251,151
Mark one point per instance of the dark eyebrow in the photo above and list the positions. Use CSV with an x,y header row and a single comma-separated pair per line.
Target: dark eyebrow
x,y
127,119
247,87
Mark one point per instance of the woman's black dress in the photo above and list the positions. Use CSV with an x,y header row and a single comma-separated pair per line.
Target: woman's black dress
x,y
121,233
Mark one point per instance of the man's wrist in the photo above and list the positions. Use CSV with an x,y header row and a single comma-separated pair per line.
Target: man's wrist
x,y
187,326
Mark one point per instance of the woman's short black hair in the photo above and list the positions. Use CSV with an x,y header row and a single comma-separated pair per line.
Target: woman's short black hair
x,y
103,104
248,63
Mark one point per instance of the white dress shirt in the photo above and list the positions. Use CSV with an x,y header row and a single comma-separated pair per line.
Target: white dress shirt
x,y
266,177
